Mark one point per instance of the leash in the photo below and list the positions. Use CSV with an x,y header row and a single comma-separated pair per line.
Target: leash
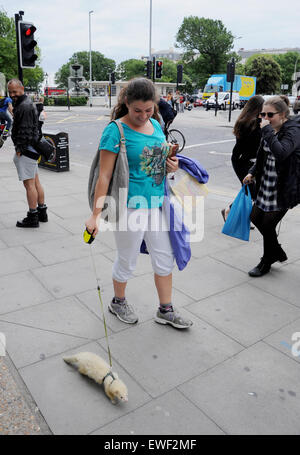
x,y
88,238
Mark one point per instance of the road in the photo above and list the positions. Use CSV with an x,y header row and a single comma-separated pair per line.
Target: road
x,y
208,139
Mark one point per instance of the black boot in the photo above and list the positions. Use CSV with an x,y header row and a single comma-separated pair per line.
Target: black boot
x,y
31,221
261,269
42,211
279,255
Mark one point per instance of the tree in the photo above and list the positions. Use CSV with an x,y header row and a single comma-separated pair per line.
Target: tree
x,y
209,38
287,64
101,67
128,69
32,77
267,72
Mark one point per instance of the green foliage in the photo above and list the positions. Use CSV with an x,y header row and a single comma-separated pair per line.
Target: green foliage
x,y
287,64
211,40
63,101
32,78
101,66
267,72
128,69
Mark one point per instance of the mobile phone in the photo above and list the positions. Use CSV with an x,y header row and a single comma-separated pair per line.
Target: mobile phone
x,y
173,150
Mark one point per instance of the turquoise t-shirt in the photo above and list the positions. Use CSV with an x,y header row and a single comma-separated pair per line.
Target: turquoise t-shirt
x,y
147,156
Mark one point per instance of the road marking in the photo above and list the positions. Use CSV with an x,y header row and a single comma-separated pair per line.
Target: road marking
x,y
220,153
208,143
65,119
101,117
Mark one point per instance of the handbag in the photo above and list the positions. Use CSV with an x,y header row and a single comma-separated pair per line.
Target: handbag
x,y
45,148
237,223
116,198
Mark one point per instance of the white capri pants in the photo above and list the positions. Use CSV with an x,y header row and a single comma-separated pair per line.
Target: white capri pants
x,y
149,225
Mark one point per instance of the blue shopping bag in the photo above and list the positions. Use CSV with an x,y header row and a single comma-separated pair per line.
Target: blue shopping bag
x,y
238,221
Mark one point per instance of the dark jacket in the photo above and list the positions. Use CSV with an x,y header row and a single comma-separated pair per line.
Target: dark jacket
x,y
247,144
245,150
25,130
285,146
166,111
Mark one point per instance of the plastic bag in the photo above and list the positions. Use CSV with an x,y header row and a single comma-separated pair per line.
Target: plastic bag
x,y
238,221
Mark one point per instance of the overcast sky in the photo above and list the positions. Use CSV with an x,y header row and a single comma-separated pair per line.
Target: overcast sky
x,y
120,28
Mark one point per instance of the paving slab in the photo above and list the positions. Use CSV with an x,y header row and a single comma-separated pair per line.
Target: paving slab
x,y
26,345
213,242
205,277
170,414
245,313
73,404
18,236
287,339
161,357
64,249
282,282
74,277
66,316
242,256
21,290
255,392
17,259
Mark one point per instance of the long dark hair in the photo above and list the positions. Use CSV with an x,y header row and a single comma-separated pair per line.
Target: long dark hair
x,y
138,89
247,119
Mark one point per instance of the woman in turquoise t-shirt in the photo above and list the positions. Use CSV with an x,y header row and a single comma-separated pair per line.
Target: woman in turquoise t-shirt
x,y
147,153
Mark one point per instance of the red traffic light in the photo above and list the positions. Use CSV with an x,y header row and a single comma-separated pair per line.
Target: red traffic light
x,y
30,31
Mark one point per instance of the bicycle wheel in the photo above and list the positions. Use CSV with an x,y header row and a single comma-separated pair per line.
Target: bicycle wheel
x,y
176,137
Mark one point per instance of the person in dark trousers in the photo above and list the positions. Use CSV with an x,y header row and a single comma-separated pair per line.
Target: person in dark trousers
x,y
276,171
25,134
248,136
167,112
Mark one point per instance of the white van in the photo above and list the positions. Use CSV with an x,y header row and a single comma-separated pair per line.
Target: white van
x,y
224,98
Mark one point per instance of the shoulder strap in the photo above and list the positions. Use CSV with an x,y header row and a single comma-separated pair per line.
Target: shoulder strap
x,y
120,126
122,138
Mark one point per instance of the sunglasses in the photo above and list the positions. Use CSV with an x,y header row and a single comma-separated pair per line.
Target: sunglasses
x,y
268,114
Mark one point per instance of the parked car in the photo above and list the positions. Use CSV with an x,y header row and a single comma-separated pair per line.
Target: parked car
x,y
224,100
197,101
292,99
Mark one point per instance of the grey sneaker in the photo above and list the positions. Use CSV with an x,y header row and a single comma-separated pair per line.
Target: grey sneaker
x,y
123,311
173,318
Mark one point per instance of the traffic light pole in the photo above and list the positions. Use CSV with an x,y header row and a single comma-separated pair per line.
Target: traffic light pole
x,y
18,17
153,76
230,102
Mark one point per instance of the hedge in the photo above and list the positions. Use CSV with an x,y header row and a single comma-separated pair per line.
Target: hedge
x,y
63,101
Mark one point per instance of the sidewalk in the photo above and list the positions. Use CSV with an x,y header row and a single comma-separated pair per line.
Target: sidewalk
x,y
233,372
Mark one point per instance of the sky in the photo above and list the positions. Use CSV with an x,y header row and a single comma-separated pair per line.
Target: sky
x,y
120,28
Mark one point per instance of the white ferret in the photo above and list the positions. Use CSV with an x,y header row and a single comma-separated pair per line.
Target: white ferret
x,y
97,369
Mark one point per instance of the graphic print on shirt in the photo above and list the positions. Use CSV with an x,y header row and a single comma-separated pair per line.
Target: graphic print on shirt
x,y
153,162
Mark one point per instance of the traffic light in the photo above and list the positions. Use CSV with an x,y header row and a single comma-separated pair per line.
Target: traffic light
x,y
158,69
27,44
148,69
179,74
112,78
230,71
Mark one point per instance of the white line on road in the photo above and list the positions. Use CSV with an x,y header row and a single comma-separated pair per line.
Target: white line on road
x,y
208,143
213,152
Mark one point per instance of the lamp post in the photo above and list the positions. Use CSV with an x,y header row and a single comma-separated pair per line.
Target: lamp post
x,y
91,90
150,31
294,78
47,85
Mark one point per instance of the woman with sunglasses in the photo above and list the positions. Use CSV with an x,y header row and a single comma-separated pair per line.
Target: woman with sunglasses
x,y
277,175
248,135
